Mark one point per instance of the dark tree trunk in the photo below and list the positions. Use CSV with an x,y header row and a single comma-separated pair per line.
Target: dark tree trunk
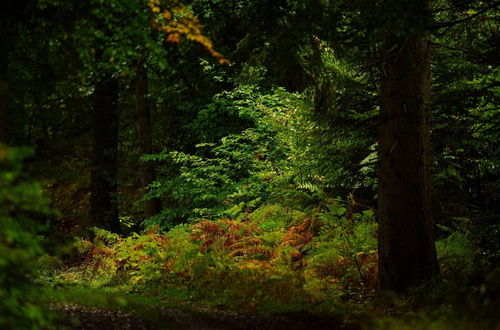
x,y
407,254
12,16
147,171
4,62
103,203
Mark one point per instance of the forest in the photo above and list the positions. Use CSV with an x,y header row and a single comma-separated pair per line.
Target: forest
x,y
250,164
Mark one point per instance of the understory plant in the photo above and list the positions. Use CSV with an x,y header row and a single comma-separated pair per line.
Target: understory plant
x,y
274,256
21,200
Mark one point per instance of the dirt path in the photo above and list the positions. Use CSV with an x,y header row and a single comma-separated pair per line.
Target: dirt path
x,y
85,318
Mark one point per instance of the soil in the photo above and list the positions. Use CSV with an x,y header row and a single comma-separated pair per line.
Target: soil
x,y
86,318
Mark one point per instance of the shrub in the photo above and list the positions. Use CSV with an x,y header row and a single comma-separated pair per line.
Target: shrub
x,y
20,200
456,252
342,258
275,255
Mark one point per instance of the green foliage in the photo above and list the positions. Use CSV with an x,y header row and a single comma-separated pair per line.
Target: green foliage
x,y
267,142
231,176
465,118
258,147
456,251
272,217
342,260
273,257
464,251
21,199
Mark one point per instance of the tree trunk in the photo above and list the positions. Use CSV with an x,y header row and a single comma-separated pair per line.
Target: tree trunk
x,y
407,253
103,203
147,171
4,62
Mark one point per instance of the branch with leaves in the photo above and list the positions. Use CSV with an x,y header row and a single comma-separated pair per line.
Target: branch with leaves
x,y
176,21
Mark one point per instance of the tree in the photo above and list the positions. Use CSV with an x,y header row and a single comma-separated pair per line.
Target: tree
x,y
10,16
407,254
144,131
3,95
104,193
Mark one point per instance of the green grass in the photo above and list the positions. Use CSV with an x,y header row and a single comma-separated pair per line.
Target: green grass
x,y
101,298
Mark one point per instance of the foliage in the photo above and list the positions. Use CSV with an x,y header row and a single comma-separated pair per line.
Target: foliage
x,y
343,258
21,200
456,251
232,174
250,158
258,147
176,21
287,255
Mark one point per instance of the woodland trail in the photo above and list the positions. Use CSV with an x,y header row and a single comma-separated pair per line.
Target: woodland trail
x,y
84,318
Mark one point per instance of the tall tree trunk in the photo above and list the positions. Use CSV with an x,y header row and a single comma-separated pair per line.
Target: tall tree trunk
x,y
4,62
103,203
147,171
12,14
407,253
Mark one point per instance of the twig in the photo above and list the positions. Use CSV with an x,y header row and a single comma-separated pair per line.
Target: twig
x,y
459,21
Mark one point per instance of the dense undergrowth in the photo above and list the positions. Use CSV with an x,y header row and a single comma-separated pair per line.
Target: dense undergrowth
x,y
278,260
275,259
274,256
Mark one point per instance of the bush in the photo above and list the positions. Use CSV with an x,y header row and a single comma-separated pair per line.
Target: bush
x,y
20,200
273,257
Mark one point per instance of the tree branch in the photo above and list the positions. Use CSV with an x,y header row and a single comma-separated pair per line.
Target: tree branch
x,y
459,21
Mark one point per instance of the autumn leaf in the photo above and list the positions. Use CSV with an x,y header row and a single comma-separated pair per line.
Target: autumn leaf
x,y
176,22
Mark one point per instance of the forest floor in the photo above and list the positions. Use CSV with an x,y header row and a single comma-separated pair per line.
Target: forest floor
x,y
84,308
123,312
92,318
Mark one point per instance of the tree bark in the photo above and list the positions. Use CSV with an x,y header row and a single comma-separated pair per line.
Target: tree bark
x,y
147,171
104,203
407,253
4,62
12,15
